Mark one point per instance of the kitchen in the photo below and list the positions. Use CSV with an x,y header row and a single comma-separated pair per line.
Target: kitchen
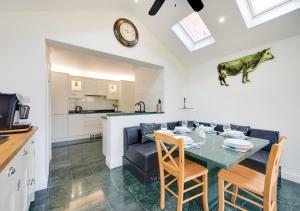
x,y
86,86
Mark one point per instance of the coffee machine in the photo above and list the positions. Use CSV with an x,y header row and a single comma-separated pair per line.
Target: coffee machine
x,y
11,111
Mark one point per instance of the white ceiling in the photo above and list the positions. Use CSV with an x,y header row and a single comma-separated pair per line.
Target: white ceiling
x,y
231,36
81,64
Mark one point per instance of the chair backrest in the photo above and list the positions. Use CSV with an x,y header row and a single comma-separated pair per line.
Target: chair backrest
x,y
167,146
270,189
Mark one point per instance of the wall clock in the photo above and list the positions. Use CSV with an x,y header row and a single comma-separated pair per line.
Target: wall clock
x,y
126,32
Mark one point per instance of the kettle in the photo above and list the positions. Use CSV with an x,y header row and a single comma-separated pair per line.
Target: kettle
x,y
78,109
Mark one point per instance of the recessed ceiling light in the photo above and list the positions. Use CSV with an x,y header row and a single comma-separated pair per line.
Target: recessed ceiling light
x,y
222,19
136,1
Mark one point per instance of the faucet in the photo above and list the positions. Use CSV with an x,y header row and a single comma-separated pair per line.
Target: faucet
x,y
140,106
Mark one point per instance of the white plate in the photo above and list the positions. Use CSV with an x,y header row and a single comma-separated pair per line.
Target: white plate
x,y
238,143
186,139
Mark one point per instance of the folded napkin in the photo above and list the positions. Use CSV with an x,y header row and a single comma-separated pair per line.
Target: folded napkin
x,y
234,134
236,149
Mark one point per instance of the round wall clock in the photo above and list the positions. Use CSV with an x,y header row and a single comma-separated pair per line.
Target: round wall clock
x,y
126,32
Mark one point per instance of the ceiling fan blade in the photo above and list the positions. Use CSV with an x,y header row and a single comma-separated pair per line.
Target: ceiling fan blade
x,y
197,5
156,6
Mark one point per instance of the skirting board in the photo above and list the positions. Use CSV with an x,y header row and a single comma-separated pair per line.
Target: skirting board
x,y
69,138
113,164
292,176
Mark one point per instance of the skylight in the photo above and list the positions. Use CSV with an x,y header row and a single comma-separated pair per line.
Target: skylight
x,y
256,12
193,32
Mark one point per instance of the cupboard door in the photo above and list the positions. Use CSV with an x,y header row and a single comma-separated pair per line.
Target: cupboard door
x,y
77,86
112,90
126,96
59,93
59,126
90,86
30,172
77,125
101,87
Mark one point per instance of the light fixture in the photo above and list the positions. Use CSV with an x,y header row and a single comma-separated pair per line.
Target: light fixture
x,y
136,1
222,19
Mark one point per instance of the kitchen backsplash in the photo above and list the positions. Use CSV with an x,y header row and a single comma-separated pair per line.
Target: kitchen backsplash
x,y
92,103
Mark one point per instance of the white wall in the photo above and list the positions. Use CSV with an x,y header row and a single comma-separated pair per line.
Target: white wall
x,y
23,66
149,87
270,101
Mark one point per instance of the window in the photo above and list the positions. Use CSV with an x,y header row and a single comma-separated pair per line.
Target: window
x,y
259,7
193,32
256,12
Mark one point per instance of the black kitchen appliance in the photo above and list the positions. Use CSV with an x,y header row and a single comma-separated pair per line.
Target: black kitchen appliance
x,y
11,110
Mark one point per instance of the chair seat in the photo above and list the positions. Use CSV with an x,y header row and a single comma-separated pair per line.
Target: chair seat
x,y
192,170
245,178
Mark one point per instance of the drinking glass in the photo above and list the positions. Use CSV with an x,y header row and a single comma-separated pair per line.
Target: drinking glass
x,y
184,123
164,126
226,127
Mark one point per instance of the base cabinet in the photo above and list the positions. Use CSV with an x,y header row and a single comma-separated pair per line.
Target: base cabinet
x,y
16,191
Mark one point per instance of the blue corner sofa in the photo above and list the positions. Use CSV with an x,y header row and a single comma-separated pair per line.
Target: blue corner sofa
x,y
142,160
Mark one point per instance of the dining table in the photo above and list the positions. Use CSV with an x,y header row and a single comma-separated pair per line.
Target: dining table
x,y
210,152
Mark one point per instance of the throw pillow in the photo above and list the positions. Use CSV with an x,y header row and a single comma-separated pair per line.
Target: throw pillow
x,y
243,129
147,128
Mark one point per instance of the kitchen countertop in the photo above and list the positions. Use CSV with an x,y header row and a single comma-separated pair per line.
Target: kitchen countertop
x,y
92,111
13,145
130,114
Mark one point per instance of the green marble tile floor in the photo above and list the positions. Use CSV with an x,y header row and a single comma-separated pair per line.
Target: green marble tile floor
x,y
79,180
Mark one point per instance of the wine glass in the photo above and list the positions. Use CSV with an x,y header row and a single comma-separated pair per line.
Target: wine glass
x,y
213,124
196,124
226,127
164,126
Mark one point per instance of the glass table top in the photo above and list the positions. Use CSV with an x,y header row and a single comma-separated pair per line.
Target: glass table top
x,y
211,150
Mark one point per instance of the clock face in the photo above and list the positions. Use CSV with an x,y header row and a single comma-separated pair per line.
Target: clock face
x,y
126,32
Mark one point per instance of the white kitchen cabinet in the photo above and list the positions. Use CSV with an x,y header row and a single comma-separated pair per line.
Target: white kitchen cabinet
x,y
126,96
30,171
112,92
101,87
76,87
77,125
93,124
90,86
15,194
59,93
59,126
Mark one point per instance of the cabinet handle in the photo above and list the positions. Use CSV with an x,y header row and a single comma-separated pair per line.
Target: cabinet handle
x,y
25,152
11,171
32,141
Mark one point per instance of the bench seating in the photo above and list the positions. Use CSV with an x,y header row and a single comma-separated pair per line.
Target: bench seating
x,y
142,159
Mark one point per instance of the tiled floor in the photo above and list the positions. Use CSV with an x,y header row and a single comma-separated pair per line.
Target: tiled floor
x,y
79,180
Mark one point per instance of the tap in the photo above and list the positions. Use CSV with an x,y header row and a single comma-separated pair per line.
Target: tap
x,y
140,106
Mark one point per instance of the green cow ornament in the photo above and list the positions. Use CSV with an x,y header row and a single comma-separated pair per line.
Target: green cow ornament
x,y
244,65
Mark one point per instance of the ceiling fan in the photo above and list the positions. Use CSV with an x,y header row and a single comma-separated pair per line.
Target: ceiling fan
x,y
197,5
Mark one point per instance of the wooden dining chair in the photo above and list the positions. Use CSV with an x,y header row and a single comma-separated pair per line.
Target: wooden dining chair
x,y
179,169
262,187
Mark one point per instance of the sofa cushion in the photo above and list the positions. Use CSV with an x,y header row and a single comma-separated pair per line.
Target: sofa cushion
x,y
272,136
144,156
240,128
132,135
172,125
257,161
146,129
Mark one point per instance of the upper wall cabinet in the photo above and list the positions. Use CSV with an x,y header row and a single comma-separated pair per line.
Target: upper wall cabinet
x,y
90,86
113,90
76,87
101,87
